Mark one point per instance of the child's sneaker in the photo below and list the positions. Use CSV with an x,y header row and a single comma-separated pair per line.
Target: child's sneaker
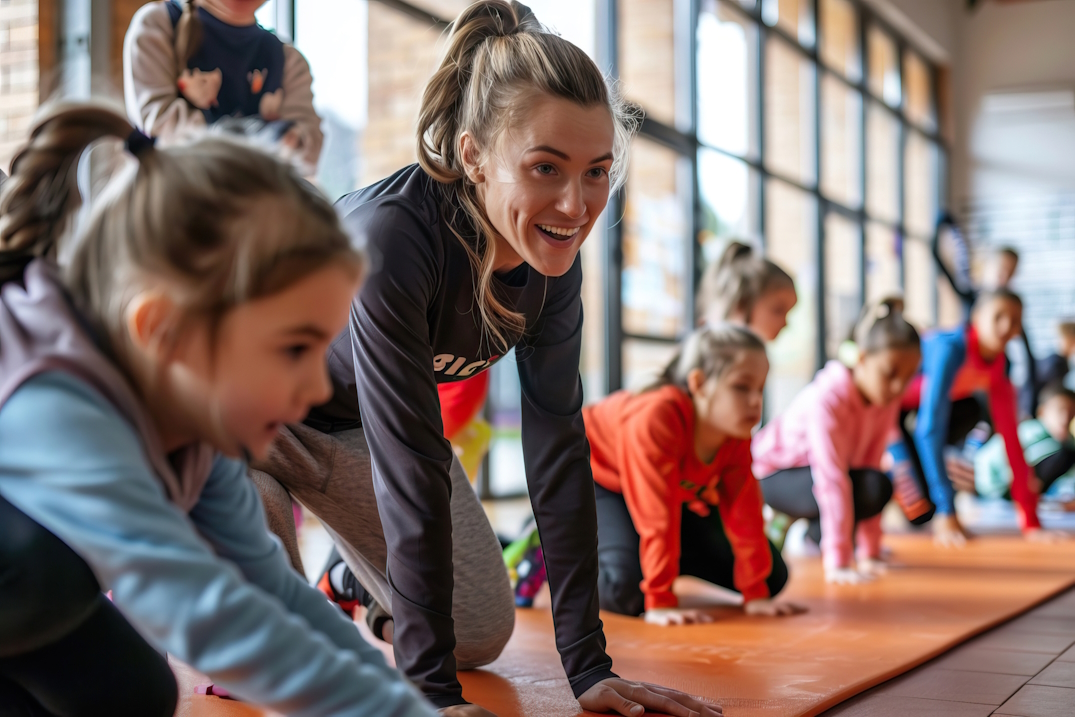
x,y
339,584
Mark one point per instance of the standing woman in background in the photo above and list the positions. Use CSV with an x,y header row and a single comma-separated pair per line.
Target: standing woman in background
x,y
475,251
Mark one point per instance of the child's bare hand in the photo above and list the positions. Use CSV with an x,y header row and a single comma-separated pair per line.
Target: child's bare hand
x,y
665,616
846,576
1068,506
766,607
1038,535
874,567
948,532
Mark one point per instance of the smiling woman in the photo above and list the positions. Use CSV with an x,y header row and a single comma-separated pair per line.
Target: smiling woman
x,y
476,251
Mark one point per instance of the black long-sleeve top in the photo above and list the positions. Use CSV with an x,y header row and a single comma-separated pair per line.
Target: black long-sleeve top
x,y
415,324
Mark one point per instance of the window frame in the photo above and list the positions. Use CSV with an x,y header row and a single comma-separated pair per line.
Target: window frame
x,y
685,141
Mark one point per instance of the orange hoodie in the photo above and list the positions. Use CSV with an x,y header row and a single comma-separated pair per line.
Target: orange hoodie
x,y
643,447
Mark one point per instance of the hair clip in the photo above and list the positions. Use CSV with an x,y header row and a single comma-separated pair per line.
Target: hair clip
x,y
138,142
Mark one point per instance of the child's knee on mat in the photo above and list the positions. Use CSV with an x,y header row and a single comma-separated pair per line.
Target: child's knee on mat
x,y
619,591
778,578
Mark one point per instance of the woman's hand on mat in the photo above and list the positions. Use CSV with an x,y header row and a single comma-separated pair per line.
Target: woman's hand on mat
x,y
466,711
948,532
634,698
765,607
1039,535
666,616
847,576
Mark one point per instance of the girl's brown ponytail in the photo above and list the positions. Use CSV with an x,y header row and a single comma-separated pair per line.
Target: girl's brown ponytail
x,y
41,195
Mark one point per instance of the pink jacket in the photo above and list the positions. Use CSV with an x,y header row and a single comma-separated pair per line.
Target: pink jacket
x,y
831,428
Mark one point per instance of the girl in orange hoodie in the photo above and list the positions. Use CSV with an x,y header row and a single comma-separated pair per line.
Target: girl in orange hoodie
x,y
675,491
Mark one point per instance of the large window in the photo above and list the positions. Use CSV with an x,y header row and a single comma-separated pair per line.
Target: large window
x,y
813,137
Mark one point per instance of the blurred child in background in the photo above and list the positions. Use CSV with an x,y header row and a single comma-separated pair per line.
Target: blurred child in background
x,y
1047,445
956,365
821,458
675,490
747,290
198,62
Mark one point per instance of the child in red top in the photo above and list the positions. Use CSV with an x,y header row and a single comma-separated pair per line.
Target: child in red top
x,y
663,460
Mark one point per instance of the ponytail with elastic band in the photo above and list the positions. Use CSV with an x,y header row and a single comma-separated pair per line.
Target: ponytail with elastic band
x,y
42,193
881,326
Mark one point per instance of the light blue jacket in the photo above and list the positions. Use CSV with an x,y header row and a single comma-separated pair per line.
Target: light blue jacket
x,y
211,587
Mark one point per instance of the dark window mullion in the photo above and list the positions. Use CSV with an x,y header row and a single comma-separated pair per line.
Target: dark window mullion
x,y
819,205
608,47
863,163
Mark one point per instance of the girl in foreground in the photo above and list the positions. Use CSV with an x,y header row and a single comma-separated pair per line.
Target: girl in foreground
x,y
821,458
675,490
189,324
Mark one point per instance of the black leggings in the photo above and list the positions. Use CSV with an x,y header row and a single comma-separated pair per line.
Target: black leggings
x,y
1050,468
966,413
65,650
791,492
705,553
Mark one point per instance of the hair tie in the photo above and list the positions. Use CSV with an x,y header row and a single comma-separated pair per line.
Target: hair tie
x,y
138,142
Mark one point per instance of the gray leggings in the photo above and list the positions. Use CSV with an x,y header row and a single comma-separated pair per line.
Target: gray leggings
x,y
330,474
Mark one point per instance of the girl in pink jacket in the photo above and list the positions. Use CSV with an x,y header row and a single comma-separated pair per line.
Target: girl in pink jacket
x,y
822,456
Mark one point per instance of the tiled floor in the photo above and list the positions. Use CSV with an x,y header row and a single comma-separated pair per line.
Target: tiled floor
x,y
1025,668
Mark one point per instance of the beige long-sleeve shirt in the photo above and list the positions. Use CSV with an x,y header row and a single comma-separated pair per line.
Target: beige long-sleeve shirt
x,y
155,105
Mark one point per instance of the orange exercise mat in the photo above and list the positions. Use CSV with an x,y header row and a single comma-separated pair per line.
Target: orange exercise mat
x,y
852,638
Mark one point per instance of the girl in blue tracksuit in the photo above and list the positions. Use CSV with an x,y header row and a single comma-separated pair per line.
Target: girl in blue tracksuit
x,y
956,365
190,323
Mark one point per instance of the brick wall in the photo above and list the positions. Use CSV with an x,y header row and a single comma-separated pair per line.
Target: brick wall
x,y
18,74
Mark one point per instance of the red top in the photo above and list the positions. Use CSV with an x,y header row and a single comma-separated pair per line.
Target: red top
x,y
643,447
460,401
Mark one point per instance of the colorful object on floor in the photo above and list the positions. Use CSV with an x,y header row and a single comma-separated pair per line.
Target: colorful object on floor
x,y
849,641
470,445
526,566
776,527
296,513
213,691
531,572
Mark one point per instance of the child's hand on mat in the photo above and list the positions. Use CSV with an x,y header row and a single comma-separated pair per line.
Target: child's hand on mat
x,y
847,576
665,616
765,607
466,711
634,698
1038,535
947,532
874,567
